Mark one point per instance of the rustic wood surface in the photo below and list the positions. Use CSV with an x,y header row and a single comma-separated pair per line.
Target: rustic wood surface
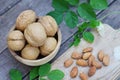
x,y
10,9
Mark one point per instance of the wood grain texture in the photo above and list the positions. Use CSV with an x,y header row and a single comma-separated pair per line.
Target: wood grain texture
x,y
114,18
7,62
5,5
41,7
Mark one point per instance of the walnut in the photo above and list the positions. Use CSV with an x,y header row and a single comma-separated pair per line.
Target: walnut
x,y
35,34
24,19
49,45
16,40
30,52
49,24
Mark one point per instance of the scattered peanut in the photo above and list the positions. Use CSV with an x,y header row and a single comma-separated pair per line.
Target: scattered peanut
x,y
88,49
76,55
82,62
87,59
90,60
86,55
68,63
83,76
96,64
106,60
92,71
100,55
74,72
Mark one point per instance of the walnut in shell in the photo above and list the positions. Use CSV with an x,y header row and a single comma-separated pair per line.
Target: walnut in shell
x,y
30,52
35,34
24,19
16,40
49,24
49,45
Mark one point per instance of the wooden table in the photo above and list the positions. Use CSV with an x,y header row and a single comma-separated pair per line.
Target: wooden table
x,y
9,10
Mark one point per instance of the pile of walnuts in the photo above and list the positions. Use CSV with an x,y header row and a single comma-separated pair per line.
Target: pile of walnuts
x,y
87,59
33,36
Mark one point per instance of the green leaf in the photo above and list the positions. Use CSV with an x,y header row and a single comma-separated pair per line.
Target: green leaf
x,y
44,69
71,19
73,2
56,75
34,73
86,11
40,78
76,42
82,27
58,16
99,4
60,5
71,44
15,74
94,23
89,37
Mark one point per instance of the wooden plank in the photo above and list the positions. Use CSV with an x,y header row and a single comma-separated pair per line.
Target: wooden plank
x,y
5,5
40,7
113,13
10,19
7,62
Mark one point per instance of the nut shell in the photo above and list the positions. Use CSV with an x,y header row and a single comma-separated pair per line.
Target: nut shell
x,y
49,24
49,45
30,52
35,34
24,19
16,40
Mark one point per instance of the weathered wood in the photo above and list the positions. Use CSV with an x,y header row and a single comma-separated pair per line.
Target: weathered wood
x,y
7,62
114,18
5,5
41,7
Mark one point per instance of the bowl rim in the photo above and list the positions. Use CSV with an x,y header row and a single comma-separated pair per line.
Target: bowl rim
x,y
19,58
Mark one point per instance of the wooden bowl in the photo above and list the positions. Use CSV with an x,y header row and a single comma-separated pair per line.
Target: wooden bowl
x,y
40,61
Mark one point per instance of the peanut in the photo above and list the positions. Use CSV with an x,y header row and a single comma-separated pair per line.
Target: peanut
x,y
74,72
88,49
76,55
96,64
68,62
100,55
90,60
86,55
92,71
106,60
83,76
82,62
